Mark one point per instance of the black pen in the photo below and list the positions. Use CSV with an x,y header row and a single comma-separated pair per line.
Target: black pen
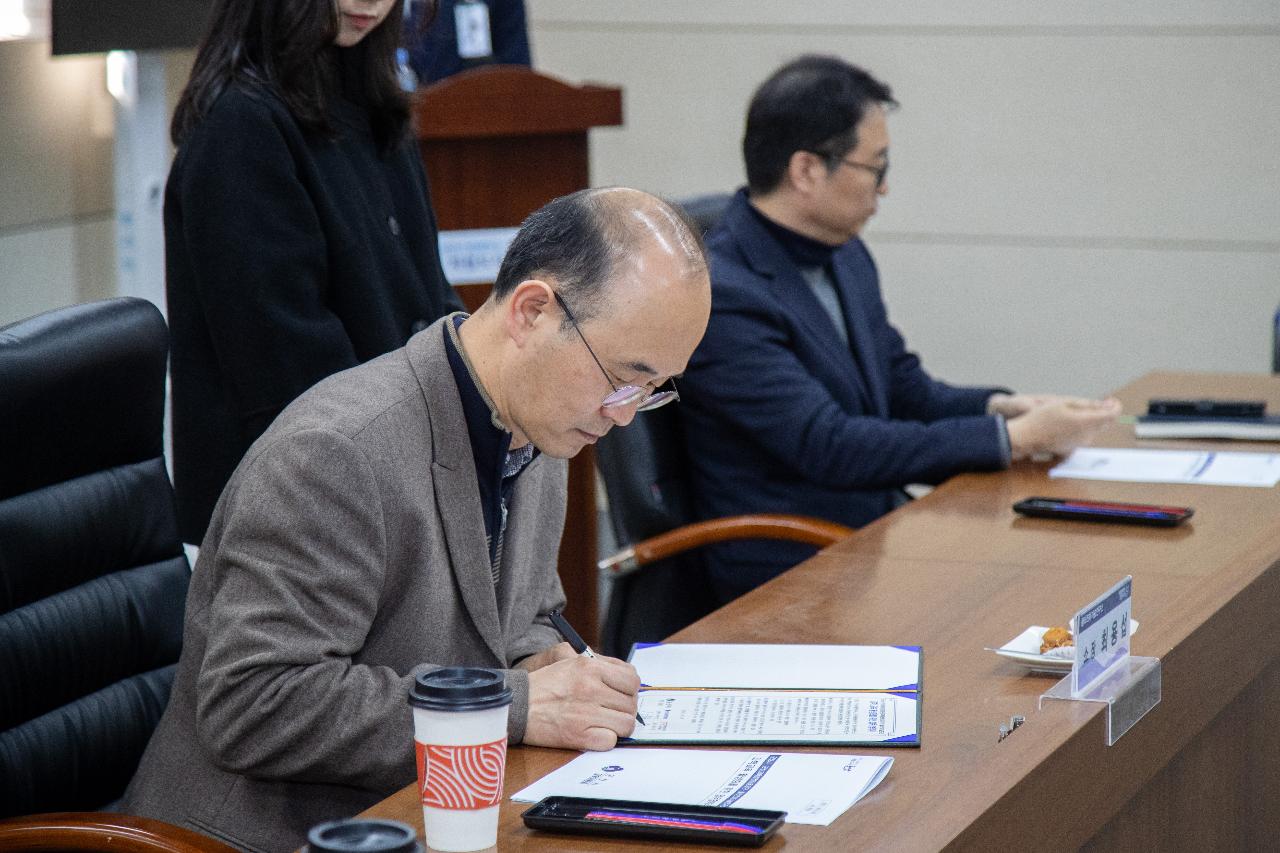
x,y
575,641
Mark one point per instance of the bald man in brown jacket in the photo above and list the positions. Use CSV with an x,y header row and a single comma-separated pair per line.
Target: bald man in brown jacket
x,y
406,514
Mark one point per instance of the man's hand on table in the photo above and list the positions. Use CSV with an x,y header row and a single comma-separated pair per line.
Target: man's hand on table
x,y
577,702
1013,405
1049,425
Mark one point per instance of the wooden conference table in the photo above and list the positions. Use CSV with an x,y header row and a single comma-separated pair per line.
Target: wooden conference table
x,y
957,571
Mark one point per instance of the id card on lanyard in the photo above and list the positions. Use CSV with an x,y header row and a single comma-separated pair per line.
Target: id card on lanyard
x,y
471,17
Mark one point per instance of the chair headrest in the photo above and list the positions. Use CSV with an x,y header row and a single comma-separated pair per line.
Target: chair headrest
x,y
706,210
646,475
88,377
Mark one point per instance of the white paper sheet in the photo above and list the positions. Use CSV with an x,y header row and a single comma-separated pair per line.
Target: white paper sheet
x,y
758,716
777,667
811,788
1171,466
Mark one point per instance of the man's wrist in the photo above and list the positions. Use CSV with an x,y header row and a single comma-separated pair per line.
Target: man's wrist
x,y
1006,444
518,714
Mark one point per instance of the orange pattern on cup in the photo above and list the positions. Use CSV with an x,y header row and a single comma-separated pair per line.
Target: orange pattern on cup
x,y
461,777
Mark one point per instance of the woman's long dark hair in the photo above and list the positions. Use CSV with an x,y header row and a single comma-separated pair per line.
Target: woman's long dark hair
x,y
283,45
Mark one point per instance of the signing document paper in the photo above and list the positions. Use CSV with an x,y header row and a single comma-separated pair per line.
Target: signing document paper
x,y
810,788
1172,466
778,694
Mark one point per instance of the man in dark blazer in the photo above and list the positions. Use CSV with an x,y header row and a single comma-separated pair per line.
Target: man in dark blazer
x,y
406,514
802,397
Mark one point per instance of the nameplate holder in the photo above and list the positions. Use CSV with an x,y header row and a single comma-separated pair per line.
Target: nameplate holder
x,y
1103,670
1129,691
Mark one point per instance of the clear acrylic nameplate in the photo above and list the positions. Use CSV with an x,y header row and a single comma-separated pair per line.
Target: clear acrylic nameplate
x,y
1129,691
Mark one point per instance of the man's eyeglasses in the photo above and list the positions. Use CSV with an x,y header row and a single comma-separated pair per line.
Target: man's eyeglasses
x,y
627,395
879,171
834,162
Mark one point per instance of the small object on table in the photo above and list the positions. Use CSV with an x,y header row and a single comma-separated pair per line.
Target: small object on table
x,y
1075,509
363,835
1207,408
1056,637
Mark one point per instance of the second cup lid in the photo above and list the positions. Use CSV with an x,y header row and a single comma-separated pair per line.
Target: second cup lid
x,y
360,835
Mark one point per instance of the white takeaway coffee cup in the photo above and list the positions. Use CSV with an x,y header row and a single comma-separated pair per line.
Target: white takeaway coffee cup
x,y
460,739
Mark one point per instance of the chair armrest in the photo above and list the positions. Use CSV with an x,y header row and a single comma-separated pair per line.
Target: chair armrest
x,y
102,831
794,528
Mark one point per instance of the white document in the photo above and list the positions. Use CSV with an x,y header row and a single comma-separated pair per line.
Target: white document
x,y
811,788
1172,466
761,716
778,667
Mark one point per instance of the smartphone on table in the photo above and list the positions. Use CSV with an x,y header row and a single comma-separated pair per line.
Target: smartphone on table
x,y
1074,509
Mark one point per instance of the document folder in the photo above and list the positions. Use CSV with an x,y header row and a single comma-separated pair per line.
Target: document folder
x,y
779,694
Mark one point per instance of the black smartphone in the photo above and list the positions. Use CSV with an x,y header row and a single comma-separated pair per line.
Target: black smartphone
x,y
667,821
1123,513
1208,408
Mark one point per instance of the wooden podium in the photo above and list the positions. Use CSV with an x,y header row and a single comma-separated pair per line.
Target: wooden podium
x,y
499,142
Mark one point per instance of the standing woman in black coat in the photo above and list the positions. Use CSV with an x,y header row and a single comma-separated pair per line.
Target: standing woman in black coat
x,y
299,234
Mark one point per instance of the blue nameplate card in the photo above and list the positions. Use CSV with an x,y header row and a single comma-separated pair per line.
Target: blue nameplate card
x,y
1102,636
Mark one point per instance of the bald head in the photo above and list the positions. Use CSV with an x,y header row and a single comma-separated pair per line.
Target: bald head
x,y
600,290
590,240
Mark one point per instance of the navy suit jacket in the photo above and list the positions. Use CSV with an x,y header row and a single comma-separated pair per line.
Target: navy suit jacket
x,y
781,416
434,56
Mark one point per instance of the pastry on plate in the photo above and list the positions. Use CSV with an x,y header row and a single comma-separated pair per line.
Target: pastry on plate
x,y
1055,638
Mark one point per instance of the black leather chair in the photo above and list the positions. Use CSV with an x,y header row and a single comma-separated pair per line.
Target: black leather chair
x,y
658,582
706,210
93,578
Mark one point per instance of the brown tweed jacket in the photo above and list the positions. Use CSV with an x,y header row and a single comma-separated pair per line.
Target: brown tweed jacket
x,y
346,554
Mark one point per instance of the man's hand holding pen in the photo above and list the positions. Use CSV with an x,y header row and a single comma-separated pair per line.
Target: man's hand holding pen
x,y
578,699
579,702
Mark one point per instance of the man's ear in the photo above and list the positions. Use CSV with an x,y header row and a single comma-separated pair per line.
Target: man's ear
x,y
529,307
805,170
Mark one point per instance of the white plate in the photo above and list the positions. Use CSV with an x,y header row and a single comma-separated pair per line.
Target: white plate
x,y
1025,649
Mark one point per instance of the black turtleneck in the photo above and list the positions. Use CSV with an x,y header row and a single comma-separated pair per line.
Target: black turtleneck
x,y
805,251
813,261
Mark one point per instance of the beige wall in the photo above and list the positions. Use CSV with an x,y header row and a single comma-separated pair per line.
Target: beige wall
x,y
1080,193
55,180
57,239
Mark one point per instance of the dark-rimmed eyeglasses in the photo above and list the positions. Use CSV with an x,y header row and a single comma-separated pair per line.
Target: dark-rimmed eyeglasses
x,y
834,163
879,171
626,395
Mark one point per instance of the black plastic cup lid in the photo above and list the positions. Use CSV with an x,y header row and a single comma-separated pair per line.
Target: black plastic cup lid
x,y
460,688
363,835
